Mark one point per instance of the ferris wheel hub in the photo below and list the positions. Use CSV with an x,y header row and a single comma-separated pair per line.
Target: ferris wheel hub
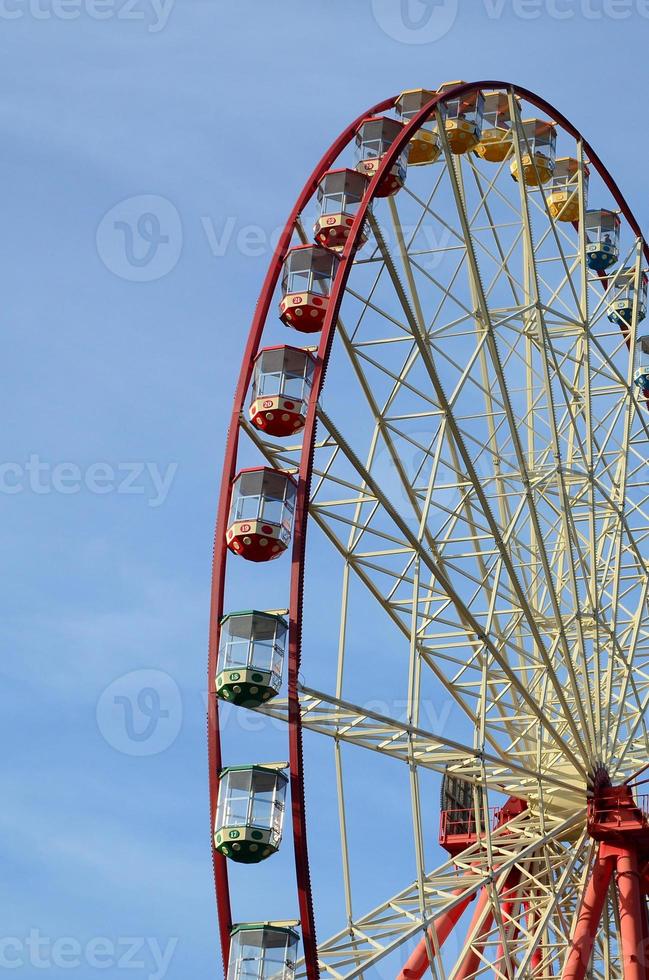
x,y
563,801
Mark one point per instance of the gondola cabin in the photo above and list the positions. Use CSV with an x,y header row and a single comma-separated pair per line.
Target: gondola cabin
x,y
641,364
458,828
339,194
563,199
307,278
262,504
602,239
424,146
625,304
496,139
538,144
251,657
250,812
373,140
462,118
281,386
263,951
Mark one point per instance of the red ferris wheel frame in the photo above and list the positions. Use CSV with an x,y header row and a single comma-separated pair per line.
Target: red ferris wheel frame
x,y
220,554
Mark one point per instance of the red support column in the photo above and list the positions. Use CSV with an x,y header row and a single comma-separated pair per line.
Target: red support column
x,y
507,914
532,918
644,921
442,927
471,962
628,893
590,913
644,879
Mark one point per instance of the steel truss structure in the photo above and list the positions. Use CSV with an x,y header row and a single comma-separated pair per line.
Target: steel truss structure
x,y
474,477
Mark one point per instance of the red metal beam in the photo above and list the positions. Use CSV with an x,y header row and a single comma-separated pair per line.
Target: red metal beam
x,y
481,921
508,911
588,918
219,564
418,962
532,920
644,922
627,881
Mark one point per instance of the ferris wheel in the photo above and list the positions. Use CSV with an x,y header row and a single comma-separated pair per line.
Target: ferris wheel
x,y
430,572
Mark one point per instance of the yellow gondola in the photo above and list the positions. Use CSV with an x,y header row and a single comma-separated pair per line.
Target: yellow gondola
x,y
424,146
496,140
462,117
563,199
538,140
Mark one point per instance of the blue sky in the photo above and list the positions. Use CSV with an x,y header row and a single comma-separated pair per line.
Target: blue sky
x,y
118,382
